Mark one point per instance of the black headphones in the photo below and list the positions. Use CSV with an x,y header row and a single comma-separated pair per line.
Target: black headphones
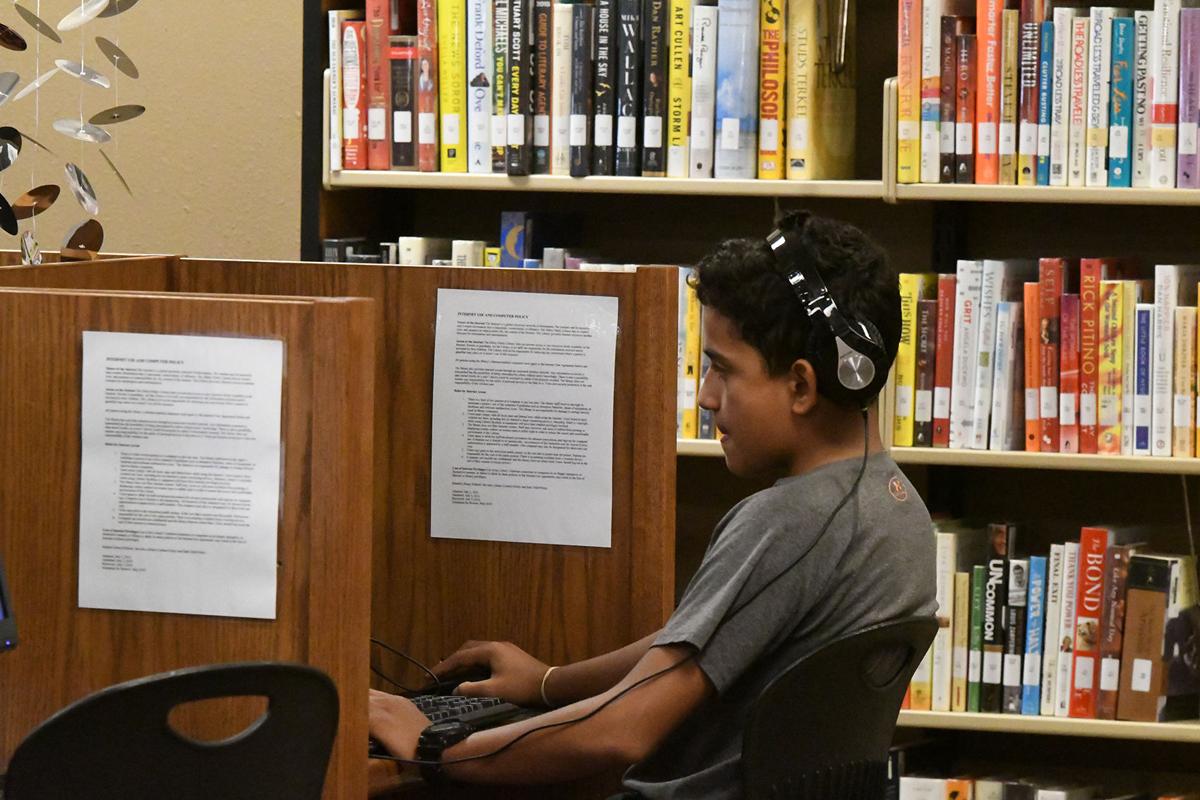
x,y
846,353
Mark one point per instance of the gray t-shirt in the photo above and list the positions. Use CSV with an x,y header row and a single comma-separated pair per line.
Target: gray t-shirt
x,y
875,563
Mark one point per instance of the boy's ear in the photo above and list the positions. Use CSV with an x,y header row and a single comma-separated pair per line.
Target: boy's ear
x,y
803,383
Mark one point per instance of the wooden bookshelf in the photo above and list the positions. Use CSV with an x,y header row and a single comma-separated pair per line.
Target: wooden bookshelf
x,y
1180,732
940,456
1090,195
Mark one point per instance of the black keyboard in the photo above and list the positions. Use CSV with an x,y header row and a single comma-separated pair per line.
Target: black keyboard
x,y
478,712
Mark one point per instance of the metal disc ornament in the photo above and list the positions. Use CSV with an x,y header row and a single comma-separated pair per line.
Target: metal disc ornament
x,y
117,57
8,220
84,73
38,83
118,7
11,40
8,82
111,116
87,235
83,131
117,172
31,251
35,201
81,187
88,10
10,147
38,24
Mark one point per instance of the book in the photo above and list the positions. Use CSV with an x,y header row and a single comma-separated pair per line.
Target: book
x,y
927,313
1131,295
704,86
772,61
931,91
1174,285
543,11
1015,611
1184,369
908,83
480,79
1143,400
354,95
1120,123
687,423
654,86
1077,105
337,20
737,90
452,98
679,82
518,91
951,27
1051,637
913,287
629,87
1033,366
583,37
989,30
1035,620
966,340
975,638
1092,272
467,252
499,84
1002,280
379,85
964,123
917,788
1060,90
1002,540
562,71
1008,386
1099,91
1066,630
1187,173
1110,368
1164,92
960,631
1044,101
1027,134
1010,93
1112,627
943,358
1140,132
421,250
958,548
605,87
402,54
1051,277
1068,387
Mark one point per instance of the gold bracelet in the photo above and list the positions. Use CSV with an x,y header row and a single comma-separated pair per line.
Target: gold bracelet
x,y
545,700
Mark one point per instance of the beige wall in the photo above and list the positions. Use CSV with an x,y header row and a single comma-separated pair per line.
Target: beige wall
x,y
214,164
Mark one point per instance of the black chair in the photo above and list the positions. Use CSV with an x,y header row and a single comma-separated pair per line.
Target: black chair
x,y
821,730
117,743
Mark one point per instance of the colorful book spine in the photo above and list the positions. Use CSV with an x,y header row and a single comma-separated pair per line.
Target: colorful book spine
x,y
1110,367
966,339
1010,95
1060,90
975,641
654,87
562,67
989,29
943,359
519,135
994,622
1089,598
1052,636
1187,174
913,287
500,81
822,100
737,90
1035,620
1007,393
480,80
583,67
379,88
1077,134
1174,285
354,95
1027,142
1131,295
927,309
947,101
1045,100
1091,272
1143,397
772,60
1120,113
1033,367
704,86
1164,93
931,90
1014,643
1112,628
337,20
960,631
942,669
1140,132
679,85
1066,630
452,96
1148,590
629,87
1068,360
689,357
1001,281
964,124
603,162
1098,95
543,12
1051,275
908,83
1184,369
402,53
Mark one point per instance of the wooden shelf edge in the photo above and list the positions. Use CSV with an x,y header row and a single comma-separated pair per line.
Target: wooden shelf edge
x,y
367,179
1185,732
934,456
710,448
1094,195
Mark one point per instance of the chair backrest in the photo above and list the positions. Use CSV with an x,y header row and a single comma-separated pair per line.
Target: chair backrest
x,y
821,730
118,742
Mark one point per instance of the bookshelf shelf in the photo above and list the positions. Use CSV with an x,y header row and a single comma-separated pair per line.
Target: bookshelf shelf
x,y
364,179
1095,195
699,447
1061,461
1188,732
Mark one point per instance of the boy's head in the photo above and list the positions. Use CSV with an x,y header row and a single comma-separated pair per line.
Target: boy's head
x,y
759,317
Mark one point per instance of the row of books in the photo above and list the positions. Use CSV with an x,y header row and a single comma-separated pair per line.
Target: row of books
x,y
1097,629
676,88
1055,355
912,787
1039,96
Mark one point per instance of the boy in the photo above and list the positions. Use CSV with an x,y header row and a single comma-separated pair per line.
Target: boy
x,y
840,542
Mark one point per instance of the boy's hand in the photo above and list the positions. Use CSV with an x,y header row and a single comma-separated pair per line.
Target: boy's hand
x,y
396,723
516,675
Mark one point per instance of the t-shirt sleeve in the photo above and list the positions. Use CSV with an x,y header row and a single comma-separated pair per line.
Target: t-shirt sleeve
x,y
717,615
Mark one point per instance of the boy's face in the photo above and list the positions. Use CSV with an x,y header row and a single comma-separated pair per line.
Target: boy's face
x,y
752,409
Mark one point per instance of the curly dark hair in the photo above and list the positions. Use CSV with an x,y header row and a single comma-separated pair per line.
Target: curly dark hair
x,y
743,280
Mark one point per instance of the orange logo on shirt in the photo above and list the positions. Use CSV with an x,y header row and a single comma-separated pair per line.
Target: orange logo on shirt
x,y
896,487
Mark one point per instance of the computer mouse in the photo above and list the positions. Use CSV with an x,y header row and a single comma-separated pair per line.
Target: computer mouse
x,y
449,682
